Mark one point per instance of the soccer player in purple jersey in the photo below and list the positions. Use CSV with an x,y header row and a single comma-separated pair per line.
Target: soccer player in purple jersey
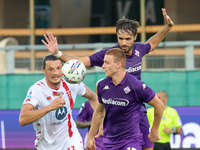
x,y
126,31
121,96
84,119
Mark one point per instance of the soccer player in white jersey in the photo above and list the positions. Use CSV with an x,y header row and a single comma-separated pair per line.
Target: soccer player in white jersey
x,y
48,105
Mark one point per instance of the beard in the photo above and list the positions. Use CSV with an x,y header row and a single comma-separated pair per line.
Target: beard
x,y
128,50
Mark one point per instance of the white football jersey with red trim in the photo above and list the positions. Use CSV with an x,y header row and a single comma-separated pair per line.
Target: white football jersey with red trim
x,y
54,130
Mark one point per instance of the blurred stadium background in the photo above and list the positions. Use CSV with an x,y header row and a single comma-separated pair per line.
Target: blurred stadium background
x,y
84,27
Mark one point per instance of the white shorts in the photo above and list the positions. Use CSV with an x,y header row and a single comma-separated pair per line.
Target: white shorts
x,y
75,143
71,143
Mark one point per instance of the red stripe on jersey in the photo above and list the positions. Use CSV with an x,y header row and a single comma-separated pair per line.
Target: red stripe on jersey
x,y
70,126
69,95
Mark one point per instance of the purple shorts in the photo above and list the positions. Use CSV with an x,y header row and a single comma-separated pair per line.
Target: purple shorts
x,y
145,127
125,144
99,143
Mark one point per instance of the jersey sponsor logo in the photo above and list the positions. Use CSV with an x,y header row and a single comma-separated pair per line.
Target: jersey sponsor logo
x,y
61,113
115,101
133,69
137,53
131,148
106,88
127,90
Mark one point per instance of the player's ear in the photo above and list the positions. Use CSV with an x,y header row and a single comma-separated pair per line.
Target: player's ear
x,y
43,71
119,64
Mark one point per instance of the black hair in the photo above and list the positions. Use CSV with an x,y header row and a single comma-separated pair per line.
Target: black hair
x,y
127,25
48,57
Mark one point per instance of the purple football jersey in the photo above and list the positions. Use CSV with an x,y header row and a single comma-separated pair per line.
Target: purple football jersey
x,y
133,62
122,104
85,114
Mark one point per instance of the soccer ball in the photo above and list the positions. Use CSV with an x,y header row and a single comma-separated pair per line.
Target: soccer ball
x,y
74,71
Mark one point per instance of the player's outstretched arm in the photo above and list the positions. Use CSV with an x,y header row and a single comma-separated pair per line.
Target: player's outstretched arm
x,y
28,115
158,112
158,37
52,45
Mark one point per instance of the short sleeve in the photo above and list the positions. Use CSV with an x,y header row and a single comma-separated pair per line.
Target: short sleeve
x,y
81,88
144,93
32,97
97,58
176,120
145,48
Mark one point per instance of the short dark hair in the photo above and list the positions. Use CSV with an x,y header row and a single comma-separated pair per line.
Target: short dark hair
x,y
127,25
118,54
48,57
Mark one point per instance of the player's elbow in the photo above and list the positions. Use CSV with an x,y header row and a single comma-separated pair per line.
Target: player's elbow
x,y
22,122
79,124
162,105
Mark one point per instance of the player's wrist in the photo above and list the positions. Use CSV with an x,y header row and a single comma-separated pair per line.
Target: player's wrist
x,y
168,27
58,55
173,131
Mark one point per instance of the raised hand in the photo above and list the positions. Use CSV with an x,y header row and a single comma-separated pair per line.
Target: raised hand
x,y
51,43
168,20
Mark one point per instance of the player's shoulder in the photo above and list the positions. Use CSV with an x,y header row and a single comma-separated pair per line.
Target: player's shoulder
x,y
133,80
84,104
72,86
39,84
139,46
103,84
171,110
104,81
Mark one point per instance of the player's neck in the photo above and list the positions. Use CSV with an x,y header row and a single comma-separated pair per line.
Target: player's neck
x,y
118,77
53,86
130,52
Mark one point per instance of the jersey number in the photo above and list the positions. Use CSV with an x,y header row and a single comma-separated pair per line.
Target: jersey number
x,y
131,148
